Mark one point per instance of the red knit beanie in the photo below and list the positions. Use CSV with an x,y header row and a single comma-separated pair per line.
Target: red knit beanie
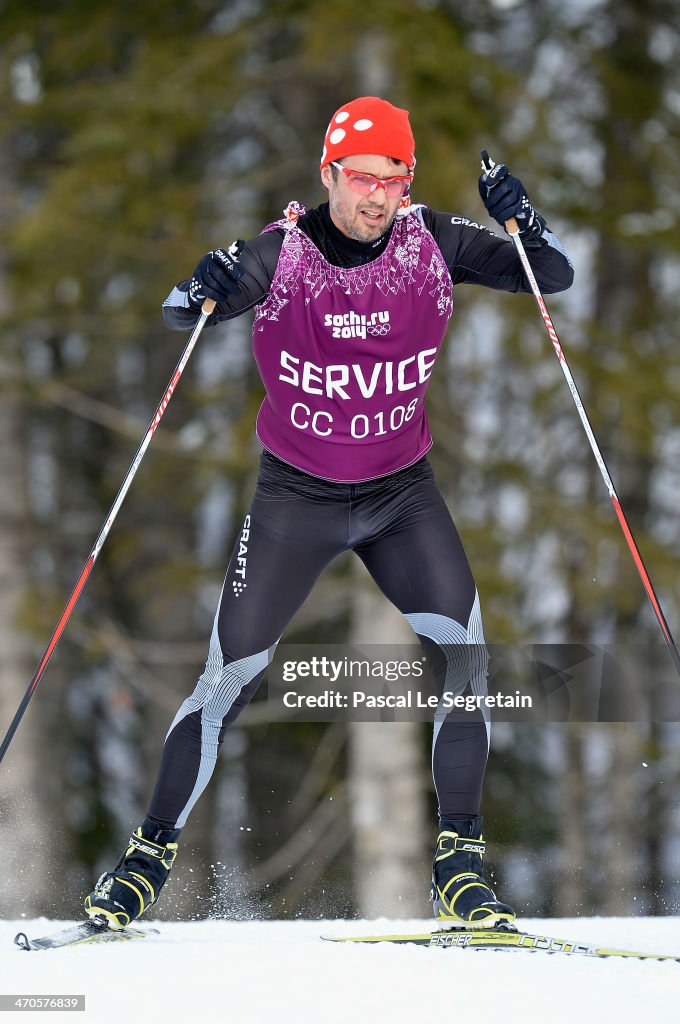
x,y
369,125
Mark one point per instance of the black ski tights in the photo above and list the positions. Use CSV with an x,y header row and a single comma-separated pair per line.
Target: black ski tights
x,y
401,528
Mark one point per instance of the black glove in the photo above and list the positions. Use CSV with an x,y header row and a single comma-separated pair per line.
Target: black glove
x,y
504,197
216,276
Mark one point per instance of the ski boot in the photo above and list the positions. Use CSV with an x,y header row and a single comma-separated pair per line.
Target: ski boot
x,y
460,894
122,895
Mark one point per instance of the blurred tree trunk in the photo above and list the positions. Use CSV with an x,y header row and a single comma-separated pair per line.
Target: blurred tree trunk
x,y
625,312
386,785
572,894
24,799
659,815
623,831
24,816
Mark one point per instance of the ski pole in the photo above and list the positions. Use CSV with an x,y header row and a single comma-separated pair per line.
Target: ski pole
x,y
513,230
206,309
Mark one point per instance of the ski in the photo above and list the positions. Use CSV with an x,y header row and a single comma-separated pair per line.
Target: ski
x,y
79,934
499,939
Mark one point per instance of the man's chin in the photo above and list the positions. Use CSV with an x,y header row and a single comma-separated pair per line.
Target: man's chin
x,y
365,232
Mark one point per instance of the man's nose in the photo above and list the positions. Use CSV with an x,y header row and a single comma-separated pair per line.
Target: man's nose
x,y
379,194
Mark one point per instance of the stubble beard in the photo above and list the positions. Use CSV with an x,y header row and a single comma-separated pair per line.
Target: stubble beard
x,y
353,229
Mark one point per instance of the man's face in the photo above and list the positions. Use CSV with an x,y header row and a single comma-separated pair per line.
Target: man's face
x,y
364,218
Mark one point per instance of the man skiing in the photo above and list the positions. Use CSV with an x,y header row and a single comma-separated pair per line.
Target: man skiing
x,y
352,300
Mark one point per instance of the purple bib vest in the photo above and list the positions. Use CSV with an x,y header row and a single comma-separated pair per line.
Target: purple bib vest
x,y
346,354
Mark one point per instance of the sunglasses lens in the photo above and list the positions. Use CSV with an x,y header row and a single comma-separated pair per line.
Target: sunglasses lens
x,y
361,183
364,184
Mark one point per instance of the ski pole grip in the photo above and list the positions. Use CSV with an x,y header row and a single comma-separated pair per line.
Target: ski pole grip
x,y
487,165
208,306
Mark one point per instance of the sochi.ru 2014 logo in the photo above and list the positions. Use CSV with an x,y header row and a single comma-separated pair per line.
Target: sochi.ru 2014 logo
x,y
239,585
358,325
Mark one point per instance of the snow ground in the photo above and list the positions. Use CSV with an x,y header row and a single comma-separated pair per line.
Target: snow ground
x,y
280,971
